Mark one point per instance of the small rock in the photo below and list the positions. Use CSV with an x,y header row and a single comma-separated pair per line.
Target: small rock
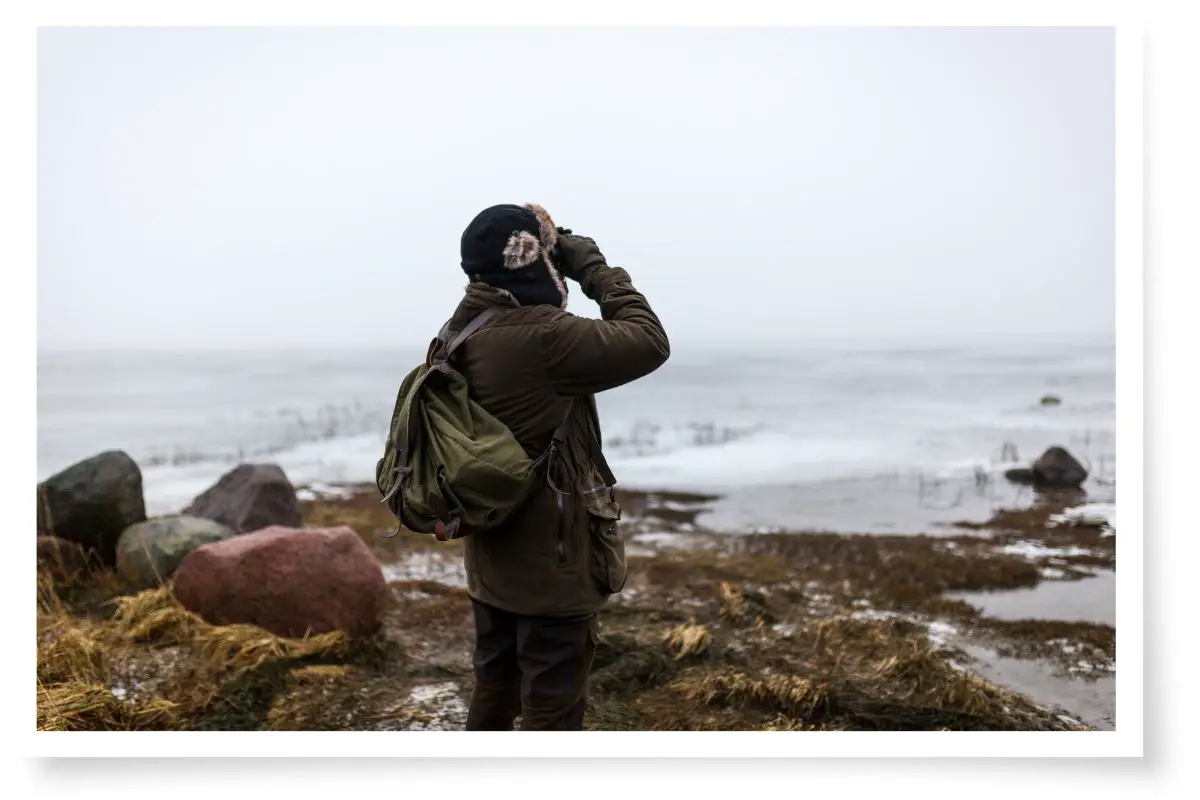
x,y
63,560
289,581
248,498
92,502
149,552
1051,400
1058,469
1021,475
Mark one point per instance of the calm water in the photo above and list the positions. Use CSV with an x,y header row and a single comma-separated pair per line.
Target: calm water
x,y
835,439
1091,599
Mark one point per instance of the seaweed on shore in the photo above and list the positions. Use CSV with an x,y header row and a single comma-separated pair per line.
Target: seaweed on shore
x,y
842,673
764,632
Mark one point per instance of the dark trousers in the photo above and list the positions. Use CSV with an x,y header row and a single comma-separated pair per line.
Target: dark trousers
x,y
535,667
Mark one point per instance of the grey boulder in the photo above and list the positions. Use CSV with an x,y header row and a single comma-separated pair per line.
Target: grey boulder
x,y
1054,469
149,552
1058,469
92,502
249,498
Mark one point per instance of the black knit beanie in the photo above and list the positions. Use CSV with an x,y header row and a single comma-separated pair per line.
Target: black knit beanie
x,y
510,247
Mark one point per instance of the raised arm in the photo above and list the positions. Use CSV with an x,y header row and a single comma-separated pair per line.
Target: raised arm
x,y
585,356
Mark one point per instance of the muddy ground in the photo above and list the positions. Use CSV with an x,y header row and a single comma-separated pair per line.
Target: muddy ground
x,y
794,631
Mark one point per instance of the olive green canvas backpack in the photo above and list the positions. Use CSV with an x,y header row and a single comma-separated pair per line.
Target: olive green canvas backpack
x,y
449,467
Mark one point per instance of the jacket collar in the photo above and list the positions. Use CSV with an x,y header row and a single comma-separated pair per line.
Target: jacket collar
x,y
479,296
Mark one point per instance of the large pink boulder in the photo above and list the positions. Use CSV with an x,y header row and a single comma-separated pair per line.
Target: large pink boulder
x,y
290,581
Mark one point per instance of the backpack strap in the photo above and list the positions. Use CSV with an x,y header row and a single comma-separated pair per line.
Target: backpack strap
x,y
595,452
558,438
601,465
471,328
560,433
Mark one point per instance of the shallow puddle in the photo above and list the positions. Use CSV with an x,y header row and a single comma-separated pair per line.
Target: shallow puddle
x,y
1093,702
1087,600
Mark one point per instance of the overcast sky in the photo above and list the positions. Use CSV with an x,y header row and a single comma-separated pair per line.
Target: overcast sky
x,y
307,188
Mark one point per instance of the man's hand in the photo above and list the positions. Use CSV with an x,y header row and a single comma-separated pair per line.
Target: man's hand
x,y
577,256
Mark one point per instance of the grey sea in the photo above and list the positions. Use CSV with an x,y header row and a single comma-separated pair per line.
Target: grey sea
x,y
849,439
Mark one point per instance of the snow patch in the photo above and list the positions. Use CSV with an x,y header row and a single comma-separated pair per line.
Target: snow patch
x,y
684,508
323,491
1101,514
435,707
1034,551
428,565
940,632
668,540
876,616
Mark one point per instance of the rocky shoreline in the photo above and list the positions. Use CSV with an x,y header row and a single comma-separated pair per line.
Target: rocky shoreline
x,y
788,631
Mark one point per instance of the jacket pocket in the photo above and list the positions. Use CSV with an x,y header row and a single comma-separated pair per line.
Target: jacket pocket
x,y
607,558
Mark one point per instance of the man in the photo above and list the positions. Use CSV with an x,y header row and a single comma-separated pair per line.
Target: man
x,y
537,581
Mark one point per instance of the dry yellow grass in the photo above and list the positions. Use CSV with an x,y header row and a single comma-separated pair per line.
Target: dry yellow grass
x,y
245,647
155,615
71,653
80,706
319,673
74,655
733,605
687,640
795,696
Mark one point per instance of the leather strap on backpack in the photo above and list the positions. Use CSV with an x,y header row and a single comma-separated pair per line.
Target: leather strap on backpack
x,y
471,328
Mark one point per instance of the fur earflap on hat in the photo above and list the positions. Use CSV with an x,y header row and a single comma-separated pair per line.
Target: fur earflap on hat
x,y
547,232
522,250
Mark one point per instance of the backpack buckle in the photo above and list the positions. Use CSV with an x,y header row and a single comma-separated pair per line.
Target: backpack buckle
x,y
399,473
445,532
